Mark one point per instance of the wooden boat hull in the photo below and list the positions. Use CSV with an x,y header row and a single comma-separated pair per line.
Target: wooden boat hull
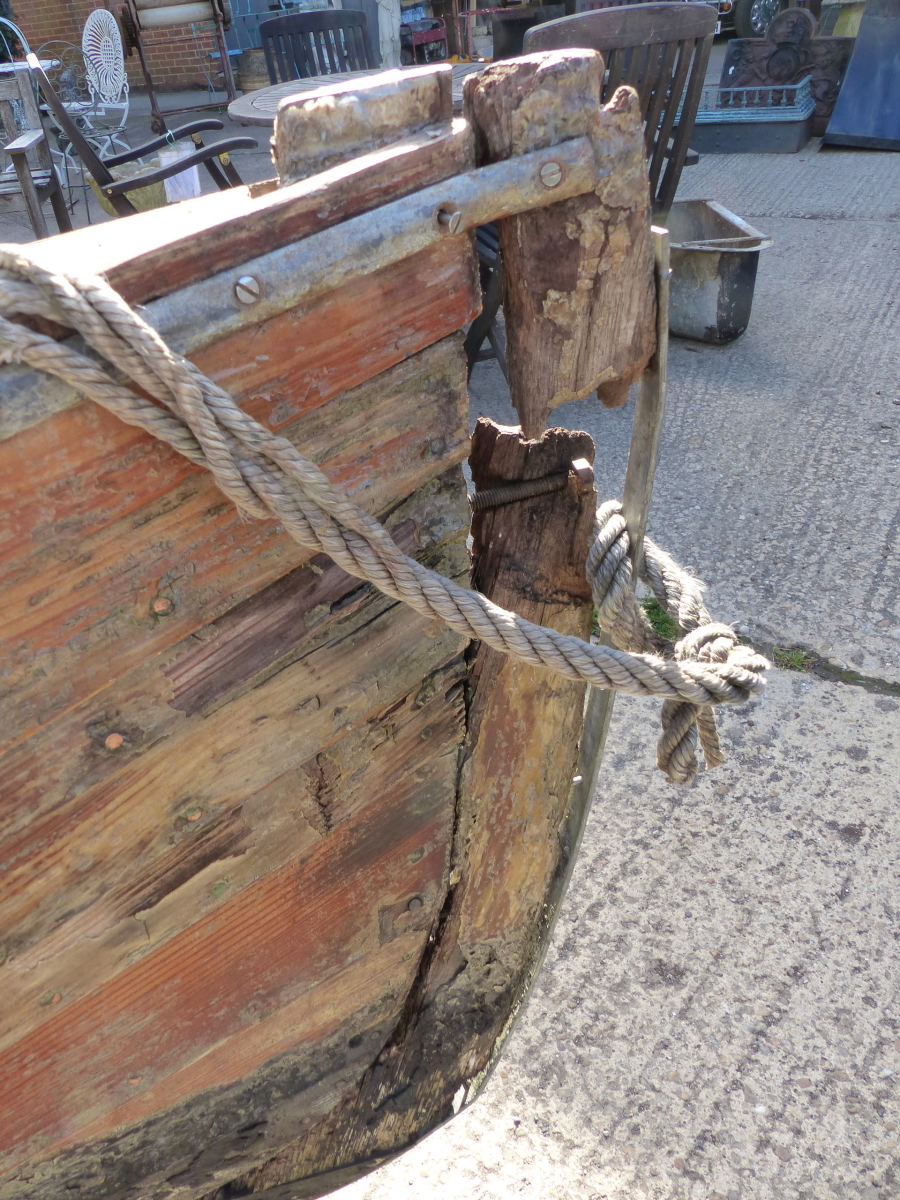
x,y
279,854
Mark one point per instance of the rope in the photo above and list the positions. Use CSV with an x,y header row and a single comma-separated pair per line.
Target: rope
x,y
266,476
620,614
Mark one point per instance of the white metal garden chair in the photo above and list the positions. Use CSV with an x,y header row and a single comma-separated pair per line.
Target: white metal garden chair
x,y
101,45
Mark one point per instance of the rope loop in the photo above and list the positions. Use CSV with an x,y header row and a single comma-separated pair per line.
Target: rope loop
x,y
621,615
266,476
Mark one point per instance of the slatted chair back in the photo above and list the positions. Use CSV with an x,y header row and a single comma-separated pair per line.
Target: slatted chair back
x,y
661,50
316,43
69,129
583,6
16,92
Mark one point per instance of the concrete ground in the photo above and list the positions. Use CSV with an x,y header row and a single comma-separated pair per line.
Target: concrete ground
x,y
719,1015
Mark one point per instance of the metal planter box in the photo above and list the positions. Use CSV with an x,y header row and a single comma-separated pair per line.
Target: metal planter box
x,y
714,259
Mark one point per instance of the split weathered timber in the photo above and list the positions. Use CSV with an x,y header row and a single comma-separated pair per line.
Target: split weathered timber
x,y
314,132
578,292
518,764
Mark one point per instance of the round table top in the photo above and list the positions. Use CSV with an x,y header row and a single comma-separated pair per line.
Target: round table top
x,y
260,107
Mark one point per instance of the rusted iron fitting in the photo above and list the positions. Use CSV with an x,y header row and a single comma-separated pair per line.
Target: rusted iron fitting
x,y
511,492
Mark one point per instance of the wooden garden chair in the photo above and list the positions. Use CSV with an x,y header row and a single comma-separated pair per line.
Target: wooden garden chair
x,y
662,51
33,174
302,45
216,158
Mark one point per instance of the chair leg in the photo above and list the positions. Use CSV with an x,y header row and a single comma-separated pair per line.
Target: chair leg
x,y
157,120
229,169
29,191
213,167
498,348
483,324
58,201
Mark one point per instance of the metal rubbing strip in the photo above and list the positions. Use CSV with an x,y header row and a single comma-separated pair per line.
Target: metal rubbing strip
x,y
207,310
272,283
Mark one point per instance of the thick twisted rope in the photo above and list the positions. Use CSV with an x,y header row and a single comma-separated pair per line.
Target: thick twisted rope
x,y
620,614
265,475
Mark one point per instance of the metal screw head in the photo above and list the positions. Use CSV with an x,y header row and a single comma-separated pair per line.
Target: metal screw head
x,y
583,470
551,174
248,289
449,218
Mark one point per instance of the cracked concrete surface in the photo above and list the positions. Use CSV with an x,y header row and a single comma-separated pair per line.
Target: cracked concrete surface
x,y
718,1017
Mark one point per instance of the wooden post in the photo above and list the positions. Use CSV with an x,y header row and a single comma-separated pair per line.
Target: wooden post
x,y
578,276
646,430
642,458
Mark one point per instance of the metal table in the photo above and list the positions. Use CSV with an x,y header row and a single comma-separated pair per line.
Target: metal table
x,y
259,108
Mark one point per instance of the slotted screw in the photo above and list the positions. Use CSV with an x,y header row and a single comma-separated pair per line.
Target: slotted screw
x,y
449,219
551,174
248,289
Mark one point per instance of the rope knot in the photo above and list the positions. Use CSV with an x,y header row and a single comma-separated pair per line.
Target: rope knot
x,y
725,670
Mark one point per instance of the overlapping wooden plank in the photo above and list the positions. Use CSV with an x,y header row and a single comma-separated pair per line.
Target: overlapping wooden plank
x,y
113,547
157,252
378,875
295,361
72,800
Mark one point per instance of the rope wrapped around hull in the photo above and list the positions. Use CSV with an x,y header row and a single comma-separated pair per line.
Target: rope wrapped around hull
x,y
266,476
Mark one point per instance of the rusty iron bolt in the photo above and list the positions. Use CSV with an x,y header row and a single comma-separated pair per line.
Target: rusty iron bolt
x,y
248,289
449,219
551,174
415,904
113,741
531,488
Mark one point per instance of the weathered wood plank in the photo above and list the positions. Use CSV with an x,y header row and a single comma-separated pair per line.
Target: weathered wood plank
x,y
297,360
135,1045
525,723
351,117
166,249
111,525
577,277
229,1127
522,740
141,813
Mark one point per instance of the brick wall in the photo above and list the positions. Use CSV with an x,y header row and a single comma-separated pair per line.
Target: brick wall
x,y
173,64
